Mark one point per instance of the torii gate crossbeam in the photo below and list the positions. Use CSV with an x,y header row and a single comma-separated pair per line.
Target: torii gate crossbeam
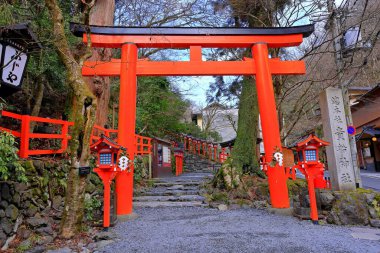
x,y
129,39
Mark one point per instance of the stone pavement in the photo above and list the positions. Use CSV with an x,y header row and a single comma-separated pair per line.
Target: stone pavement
x,y
198,229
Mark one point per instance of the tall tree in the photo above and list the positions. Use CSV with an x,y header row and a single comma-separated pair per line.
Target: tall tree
x,y
82,114
101,14
249,13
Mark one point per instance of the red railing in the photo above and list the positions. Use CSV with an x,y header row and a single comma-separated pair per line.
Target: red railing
x,y
143,145
208,150
98,130
26,135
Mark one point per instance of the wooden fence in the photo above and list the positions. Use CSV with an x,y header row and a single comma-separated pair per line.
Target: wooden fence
x,y
25,135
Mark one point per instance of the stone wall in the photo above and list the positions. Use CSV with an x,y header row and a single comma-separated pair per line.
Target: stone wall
x,y
33,209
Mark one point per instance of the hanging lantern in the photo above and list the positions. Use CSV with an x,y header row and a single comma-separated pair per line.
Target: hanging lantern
x,y
16,42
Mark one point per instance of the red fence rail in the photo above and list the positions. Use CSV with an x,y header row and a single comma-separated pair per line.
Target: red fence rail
x,y
26,135
143,144
98,130
209,150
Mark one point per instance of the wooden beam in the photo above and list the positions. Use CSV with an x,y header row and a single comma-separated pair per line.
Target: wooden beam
x,y
196,68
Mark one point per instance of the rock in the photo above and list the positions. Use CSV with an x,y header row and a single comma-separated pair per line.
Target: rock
x,y
261,204
20,187
45,240
372,213
37,222
39,165
3,237
370,197
57,202
104,235
222,207
12,212
5,192
16,199
32,210
38,249
3,204
85,250
102,244
91,245
326,198
90,187
350,208
2,213
62,250
24,203
23,232
27,244
7,226
45,230
375,223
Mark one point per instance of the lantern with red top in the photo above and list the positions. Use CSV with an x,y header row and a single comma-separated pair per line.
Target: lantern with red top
x,y
107,166
309,165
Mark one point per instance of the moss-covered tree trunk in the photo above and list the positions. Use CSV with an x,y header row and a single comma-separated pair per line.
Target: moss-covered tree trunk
x,y
83,115
101,14
244,152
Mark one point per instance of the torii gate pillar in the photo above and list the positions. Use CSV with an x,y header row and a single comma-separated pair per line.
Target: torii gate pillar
x,y
126,126
270,127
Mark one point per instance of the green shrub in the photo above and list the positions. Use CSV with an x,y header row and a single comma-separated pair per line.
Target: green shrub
x,y
10,165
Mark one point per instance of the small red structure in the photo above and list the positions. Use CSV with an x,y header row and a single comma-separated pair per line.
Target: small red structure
x,y
107,168
178,154
309,165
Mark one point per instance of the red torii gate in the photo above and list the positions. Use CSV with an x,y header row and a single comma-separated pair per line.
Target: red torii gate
x,y
129,39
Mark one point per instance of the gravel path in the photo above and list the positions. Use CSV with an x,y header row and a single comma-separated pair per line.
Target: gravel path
x,y
246,230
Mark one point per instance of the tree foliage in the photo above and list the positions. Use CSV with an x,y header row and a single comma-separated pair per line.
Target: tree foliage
x,y
159,108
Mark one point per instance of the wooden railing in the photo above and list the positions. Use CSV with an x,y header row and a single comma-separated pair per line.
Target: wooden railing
x,y
206,149
98,130
143,145
26,135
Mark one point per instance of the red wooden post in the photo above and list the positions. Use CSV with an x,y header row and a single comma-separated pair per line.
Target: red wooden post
x,y
65,131
269,122
215,153
107,177
313,201
24,140
126,128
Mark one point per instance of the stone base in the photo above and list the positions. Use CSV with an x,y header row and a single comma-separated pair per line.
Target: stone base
x,y
127,217
281,211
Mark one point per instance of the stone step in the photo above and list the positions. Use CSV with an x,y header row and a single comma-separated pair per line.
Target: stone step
x,y
177,185
182,198
155,204
168,193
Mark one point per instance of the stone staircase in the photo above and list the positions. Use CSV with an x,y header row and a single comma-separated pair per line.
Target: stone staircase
x,y
181,191
196,163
